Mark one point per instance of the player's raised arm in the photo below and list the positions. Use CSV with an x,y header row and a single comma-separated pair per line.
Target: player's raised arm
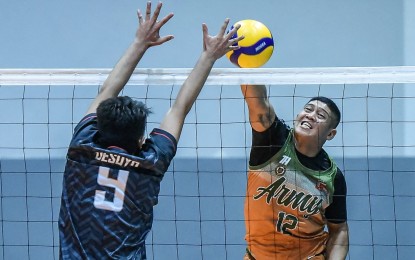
x,y
214,47
147,35
261,112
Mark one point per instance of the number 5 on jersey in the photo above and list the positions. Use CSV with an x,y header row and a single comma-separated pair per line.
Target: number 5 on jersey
x,y
118,184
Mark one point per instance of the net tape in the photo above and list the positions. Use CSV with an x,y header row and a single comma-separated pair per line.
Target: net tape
x,y
218,76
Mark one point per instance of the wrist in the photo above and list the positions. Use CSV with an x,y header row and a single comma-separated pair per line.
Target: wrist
x,y
140,45
208,58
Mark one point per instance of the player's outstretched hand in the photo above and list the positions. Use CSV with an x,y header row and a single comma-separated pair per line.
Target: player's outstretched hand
x,y
217,46
149,27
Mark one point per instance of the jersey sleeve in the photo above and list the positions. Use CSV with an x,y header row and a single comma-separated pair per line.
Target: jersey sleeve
x,y
85,130
267,143
336,212
164,140
163,145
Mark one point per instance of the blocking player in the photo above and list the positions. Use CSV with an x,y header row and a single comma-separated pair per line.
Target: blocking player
x,y
294,189
113,174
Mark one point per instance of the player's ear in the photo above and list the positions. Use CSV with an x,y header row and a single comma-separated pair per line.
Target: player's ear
x,y
331,134
141,141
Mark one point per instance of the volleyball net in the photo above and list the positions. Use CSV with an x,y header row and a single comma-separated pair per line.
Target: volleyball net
x,y
200,211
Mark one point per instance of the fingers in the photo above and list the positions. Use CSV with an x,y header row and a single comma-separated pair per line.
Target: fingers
x,y
223,28
164,39
233,38
205,30
233,31
236,39
149,25
157,11
219,45
155,15
165,19
140,16
234,47
205,35
148,11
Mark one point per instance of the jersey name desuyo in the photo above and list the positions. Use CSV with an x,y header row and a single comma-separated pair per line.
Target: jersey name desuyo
x,y
115,159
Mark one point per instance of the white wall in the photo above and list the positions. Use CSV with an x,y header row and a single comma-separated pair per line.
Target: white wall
x,y
94,33
409,60
409,32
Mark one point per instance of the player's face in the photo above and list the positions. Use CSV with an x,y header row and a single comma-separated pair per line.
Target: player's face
x,y
315,120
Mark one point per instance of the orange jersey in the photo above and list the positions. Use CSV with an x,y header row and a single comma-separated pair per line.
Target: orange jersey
x,y
284,207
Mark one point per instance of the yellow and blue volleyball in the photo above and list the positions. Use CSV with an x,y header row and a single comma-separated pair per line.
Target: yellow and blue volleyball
x,y
256,48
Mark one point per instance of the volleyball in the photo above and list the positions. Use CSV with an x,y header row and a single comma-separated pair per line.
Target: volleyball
x,y
255,49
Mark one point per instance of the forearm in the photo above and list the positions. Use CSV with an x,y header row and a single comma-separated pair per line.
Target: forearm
x,y
338,244
214,47
174,120
124,68
120,75
194,83
254,91
337,252
261,112
147,35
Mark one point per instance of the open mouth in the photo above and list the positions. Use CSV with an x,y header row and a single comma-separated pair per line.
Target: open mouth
x,y
306,124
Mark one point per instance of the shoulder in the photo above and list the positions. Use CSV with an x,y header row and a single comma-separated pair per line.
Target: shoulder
x,y
276,133
89,120
278,124
157,152
161,141
85,129
267,143
340,186
163,137
336,212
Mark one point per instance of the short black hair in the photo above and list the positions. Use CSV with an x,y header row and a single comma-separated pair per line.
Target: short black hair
x,y
122,121
332,106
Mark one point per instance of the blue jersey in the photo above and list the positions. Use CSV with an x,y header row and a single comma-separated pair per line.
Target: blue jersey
x,y
108,195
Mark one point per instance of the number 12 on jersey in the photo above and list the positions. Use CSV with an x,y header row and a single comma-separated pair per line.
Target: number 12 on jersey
x,y
118,184
286,222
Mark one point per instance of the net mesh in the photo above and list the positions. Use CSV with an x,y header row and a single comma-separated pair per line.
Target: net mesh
x,y
200,211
